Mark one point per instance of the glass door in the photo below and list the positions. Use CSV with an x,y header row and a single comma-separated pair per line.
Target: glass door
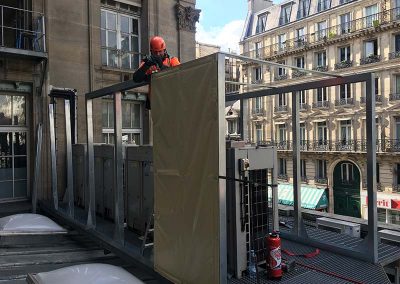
x,y
13,147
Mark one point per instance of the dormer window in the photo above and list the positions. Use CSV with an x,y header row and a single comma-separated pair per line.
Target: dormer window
x,y
285,14
304,9
261,23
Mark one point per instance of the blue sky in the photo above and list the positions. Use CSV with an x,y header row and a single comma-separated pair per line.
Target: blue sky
x,y
221,22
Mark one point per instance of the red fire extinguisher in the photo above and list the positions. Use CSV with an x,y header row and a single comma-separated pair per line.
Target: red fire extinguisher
x,y
274,258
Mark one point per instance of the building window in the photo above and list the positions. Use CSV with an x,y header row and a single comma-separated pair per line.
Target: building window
x,y
323,5
285,14
281,70
397,84
303,172
345,132
377,86
300,39
131,122
257,49
282,99
302,133
258,105
322,133
371,15
321,169
371,48
345,23
261,23
257,75
282,167
397,42
322,95
320,59
119,40
299,62
321,30
282,133
281,42
259,133
345,92
302,98
344,53
304,9
232,126
397,129
347,172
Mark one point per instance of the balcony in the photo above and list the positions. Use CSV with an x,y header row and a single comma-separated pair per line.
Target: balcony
x,y
321,104
394,97
321,68
378,185
391,145
298,74
344,64
378,99
344,102
258,112
304,179
283,145
281,77
283,177
396,188
304,106
370,59
344,145
394,54
321,180
22,31
319,145
281,108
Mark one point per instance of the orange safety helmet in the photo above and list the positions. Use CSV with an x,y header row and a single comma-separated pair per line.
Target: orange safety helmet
x,y
157,43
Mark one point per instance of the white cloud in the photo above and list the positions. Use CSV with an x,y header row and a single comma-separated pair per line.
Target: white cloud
x,y
227,37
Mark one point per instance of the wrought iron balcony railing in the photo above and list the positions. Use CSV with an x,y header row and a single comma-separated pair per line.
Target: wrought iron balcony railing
x,y
394,97
281,108
321,180
304,179
344,102
370,59
22,29
298,73
321,104
344,64
321,68
391,145
378,99
378,185
396,188
304,106
283,145
258,112
394,54
281,77
283,177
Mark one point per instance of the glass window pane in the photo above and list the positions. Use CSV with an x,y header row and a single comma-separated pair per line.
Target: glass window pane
x,y
125,43
112,39
125,60
6,189
124,24
103,37
19,110
5,110
20,143
136,116
103,19
136,138
135,61
111,118
20,168
126,115
104,57
5,143
135,44
111,21
135,26
5,169
112,58
20,188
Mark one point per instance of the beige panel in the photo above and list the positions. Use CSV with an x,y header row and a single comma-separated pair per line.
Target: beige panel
x,y
186,167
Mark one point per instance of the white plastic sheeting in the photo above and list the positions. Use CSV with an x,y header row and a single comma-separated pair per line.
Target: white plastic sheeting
x,y
28,223
93,273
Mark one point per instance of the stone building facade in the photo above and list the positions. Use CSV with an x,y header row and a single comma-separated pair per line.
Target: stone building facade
x,y
83,45
341,37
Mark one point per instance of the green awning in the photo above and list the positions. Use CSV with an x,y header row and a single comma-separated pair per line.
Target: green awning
x,y
311,197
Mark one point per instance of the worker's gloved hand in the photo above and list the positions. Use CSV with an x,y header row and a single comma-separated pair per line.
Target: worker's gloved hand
x,y
158,60
149,61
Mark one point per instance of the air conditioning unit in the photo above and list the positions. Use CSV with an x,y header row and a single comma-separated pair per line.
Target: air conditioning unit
x,y
339,226
389,237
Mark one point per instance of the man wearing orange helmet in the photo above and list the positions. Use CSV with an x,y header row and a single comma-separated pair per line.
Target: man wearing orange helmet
x,y
158,60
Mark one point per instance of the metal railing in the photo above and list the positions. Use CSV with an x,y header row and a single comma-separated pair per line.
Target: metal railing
x,y
394,54
343,64
344,102
342,30
321,68
298,74
304,179
321,180
391,145
281,108
396,188
394,97
283,177
258,112
304,106
281,77
22,29
374,58
321,104
378,185
378,99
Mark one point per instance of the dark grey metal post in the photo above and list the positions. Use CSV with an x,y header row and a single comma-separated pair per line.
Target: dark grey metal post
x,y
90,197
296,165
275,201
53,157
118,167
38,159
371,168
70,174
241,124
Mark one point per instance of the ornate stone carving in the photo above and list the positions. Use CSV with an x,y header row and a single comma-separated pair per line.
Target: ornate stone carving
x,y
187,17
